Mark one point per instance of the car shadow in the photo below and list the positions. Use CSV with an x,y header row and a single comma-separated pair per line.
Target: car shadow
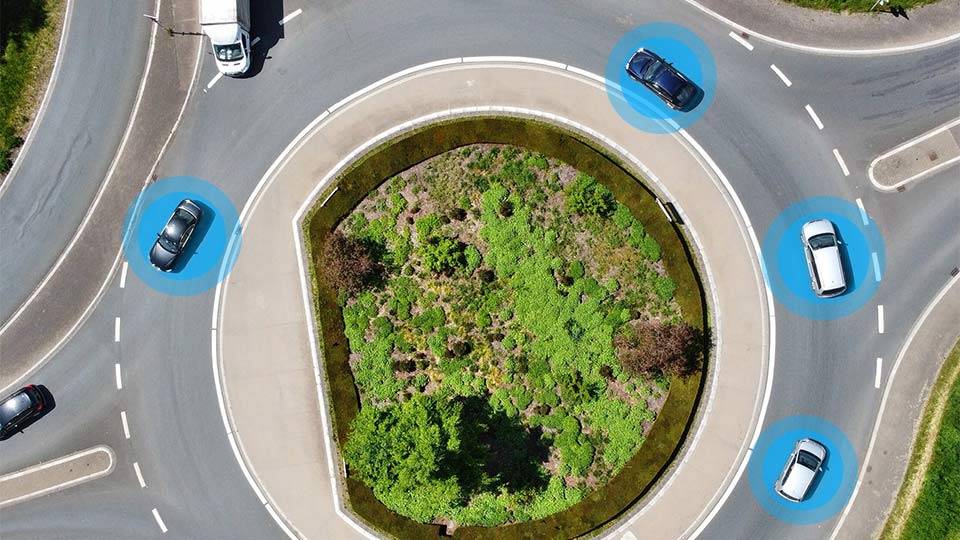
x,y
265,24
846,264
193,247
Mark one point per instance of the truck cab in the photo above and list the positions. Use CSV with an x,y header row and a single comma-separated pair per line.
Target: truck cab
x,y
227,24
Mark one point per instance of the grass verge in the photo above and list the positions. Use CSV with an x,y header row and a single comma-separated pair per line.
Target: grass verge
x,y
29,33
604,506
857,6
928,504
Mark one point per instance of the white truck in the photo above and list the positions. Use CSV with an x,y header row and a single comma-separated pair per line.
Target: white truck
x,y
227,24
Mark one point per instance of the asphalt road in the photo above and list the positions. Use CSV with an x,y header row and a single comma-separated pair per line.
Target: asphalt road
x,y
757,131
44,202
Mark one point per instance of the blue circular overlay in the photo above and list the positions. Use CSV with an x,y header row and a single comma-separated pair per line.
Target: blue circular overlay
x,y
640,106
862,253
832,487
211,251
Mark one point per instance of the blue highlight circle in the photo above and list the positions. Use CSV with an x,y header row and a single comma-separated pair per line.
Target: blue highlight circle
x,y
831,489
211,251
862,251
641,107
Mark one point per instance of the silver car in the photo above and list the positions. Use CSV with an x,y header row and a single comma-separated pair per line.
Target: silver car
x,y
802,467
822,250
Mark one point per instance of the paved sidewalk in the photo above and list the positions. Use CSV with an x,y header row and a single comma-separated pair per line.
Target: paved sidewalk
x,y
917,158
264,345
825,29
894,440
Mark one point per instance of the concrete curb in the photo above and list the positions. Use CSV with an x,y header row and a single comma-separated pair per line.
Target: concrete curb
x,y
52,467
904,146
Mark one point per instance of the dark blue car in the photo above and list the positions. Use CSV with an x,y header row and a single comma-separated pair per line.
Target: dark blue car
x,y
673,87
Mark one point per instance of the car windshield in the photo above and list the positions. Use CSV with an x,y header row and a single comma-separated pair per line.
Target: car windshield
x,y
685,94
823,241
228,53
10,408
808,460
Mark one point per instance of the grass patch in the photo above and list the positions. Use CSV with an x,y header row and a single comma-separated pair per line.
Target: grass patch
x,y
857,6
928,504
604,505
29,30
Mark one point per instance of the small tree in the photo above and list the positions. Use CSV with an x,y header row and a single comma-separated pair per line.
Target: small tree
x,y
348,264
654,348
588,198
443,255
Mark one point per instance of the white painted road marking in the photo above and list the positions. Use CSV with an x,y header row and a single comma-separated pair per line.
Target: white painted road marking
x,y
156,515
863,211
876,380
116,330
78,470
843,166
255,41
123,275
780,74
876,266
816,119
880,318
741,41
119,380
214,80
136,468
290,17
126,427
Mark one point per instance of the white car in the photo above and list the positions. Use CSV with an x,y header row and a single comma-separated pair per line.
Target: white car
x,y
801,470
822,250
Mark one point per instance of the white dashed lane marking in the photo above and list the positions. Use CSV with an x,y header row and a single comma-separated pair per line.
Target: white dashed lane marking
x,y
136,468
876,379
780,74
816,119
876,266
843,166
880,318
126,426
119,380
116,330
123,275
290,17
156,515
740,40
863,212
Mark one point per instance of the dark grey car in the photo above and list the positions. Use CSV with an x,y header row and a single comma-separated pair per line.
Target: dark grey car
x,y
173,239
673,87
19,410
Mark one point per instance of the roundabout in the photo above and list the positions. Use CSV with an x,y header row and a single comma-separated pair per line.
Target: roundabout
x,y
302,176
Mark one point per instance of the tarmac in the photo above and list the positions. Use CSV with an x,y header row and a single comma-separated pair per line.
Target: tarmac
x,y
263,333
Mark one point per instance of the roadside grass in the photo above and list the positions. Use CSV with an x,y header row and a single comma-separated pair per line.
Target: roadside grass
x,y
601,508
29,32
928,504
855,6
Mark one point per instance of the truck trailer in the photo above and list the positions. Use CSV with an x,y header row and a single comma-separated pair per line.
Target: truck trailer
x,y
227,24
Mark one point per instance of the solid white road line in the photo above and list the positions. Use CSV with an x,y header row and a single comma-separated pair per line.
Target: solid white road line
x,y
290,17
876,267
116,369
876,380
863,211
214,80
126,427
816,119
156,516
780,74
880,319
843,166
136,469
116,330
740,40
123,275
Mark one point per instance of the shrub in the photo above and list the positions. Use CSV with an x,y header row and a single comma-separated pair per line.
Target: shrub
x,y
537,160
443,255
649,248
622,217
426,226
664,287
349,264
653,348
473,258
576,270
588,198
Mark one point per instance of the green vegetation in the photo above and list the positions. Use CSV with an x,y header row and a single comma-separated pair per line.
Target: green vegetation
x,y
611,496
858,5
928,505
28,39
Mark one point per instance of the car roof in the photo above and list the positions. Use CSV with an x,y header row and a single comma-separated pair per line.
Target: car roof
x,y
829,267
797,481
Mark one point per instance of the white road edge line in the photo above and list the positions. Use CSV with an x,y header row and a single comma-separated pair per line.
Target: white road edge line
x,y
880,319
876,379
290,17
876,266
123,274
63,485
863,212
116,330
908,144
116,369
780,74
136,469
824,50
886,393
156,516
103,286
816,119
740,40
843,166
126,426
